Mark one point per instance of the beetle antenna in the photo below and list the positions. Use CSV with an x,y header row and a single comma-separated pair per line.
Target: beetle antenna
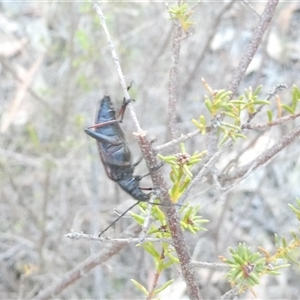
x,y
118,218
128,209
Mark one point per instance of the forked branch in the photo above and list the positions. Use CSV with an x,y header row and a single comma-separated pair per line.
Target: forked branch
x,y
264,157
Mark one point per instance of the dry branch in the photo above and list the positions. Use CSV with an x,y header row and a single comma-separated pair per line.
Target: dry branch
x,y
265,125
251,49
80,235
173,80
264,157
86,266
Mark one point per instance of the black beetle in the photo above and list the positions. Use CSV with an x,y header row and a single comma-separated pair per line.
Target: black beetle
x,y
114,152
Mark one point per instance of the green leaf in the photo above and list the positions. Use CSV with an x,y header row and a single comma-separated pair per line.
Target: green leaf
x,y
284,243
258,89
163,287
295,97
151,250
238,259
288,108
253,279
222,94
187,171
295,210
208,105
173,258
261,102
270,116
231,126
140,287
238,101
241,135
139,219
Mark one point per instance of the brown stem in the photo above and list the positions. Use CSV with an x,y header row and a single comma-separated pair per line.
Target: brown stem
x,y
155,278
279,121
179,243
212,32
173,80
255,41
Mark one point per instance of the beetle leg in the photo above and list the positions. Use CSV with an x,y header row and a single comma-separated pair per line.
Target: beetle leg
x,y
123,108
140,177
136,163
103,124
102,138
125,103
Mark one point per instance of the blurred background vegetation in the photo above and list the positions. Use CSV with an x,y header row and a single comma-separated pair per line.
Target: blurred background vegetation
x,y
56,65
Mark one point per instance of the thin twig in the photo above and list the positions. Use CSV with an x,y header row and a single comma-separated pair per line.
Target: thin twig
x,y
10,114
212,32
15,74
251,7
117,63
176,141
230,294
80,235
155,277
251,49
264,157
206,265
265,125
87,265
212,160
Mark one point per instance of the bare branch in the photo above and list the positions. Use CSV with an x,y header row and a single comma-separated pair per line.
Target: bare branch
x,y
264,157
173,79
212,31
88,264
112,48
117,63
251,7
255,41
279,121
212,266
80,235
230,294
176,141
15,74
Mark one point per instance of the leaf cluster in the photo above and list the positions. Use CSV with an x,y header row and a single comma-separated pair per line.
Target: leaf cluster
x,y
246,267
181,174
181,13
220,106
